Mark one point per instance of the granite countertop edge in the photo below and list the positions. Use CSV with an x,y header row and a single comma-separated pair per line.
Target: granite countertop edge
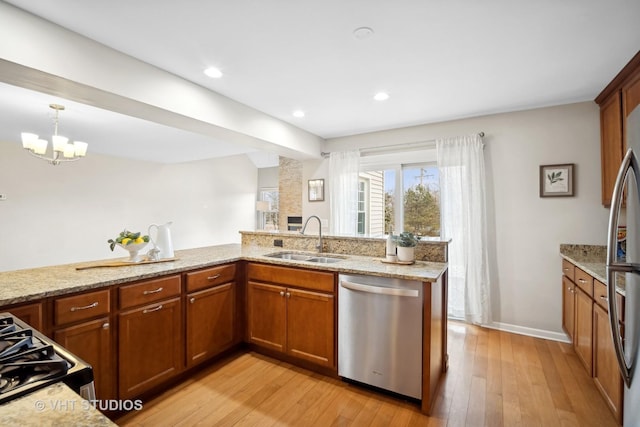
x,y
54,405
21,286
595,266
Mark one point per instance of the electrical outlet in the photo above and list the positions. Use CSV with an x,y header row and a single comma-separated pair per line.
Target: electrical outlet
x,y
277,242
3,197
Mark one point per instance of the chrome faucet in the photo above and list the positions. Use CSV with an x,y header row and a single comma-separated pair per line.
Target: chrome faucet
x,y
304,227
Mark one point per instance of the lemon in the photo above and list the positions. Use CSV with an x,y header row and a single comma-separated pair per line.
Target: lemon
x,y
126,241
138,240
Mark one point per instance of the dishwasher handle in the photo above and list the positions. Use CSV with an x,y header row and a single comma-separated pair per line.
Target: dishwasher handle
x,y
372,289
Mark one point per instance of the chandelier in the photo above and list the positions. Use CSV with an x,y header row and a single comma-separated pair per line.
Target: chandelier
x,y
63,150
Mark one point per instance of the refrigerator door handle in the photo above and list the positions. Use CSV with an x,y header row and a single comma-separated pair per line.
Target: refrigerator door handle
x,y
628,165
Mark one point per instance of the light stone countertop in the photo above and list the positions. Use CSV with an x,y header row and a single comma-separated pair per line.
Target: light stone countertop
x,y
592,260
33,284
55,405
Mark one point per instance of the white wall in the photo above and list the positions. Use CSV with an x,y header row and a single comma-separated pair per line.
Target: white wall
x,y
64,214
526,230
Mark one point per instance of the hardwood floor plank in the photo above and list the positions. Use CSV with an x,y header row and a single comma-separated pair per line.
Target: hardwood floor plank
x,y
495,379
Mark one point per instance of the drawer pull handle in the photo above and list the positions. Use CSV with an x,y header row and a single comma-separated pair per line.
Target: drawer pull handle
x,y
86,307
155,291
192,300
151,310
604,298
105,325
213,277
582,281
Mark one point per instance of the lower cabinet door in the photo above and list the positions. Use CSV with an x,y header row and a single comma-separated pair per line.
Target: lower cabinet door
x,y
583,339
210,322
568,306
267,315
92,342
310,326
150,346
605,365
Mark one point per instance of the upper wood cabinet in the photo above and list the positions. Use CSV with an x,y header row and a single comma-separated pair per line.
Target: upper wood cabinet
x,y
616,102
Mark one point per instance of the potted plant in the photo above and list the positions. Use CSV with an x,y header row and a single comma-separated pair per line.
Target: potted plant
x,y
406,243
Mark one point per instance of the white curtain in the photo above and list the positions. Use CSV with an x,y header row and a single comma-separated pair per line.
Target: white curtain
x,y
463,220
343,192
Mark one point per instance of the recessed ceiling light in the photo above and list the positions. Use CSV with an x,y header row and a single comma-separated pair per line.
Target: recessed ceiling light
x,y
381,96
362,33
298,113
213,72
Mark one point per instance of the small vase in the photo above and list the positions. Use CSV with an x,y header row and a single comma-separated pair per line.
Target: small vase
x,y
406,254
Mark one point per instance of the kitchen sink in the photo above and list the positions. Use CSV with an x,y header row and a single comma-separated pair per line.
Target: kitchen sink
x,y
324,259
296,256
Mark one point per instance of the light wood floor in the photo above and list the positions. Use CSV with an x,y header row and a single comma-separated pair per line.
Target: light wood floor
x,y
495,379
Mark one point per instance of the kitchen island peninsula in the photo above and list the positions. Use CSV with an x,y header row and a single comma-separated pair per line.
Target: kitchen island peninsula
x,y
170,301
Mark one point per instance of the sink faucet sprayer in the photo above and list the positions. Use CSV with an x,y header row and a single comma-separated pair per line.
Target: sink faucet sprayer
x,y
304,227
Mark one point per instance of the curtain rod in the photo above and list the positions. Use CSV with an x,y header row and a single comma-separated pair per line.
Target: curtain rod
x,y
405,145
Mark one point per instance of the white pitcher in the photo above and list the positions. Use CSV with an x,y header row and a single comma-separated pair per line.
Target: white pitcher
x,y
162,240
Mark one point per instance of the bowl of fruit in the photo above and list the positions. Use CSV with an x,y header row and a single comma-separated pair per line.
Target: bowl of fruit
x,y
132,242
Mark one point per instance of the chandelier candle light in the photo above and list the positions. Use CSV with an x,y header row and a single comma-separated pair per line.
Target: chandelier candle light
x,y
63,150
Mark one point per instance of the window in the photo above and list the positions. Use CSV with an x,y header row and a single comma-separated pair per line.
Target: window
x,y
268,217
407,198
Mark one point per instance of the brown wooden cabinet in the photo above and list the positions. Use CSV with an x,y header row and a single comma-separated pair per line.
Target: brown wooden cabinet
x,y
294,314
583,338
605,365
82,325
591,333
267,315
92,342
568,307
210,322
150,337
616,102
28,313
310,326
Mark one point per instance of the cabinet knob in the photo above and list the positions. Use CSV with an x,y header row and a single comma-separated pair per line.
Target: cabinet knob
x,y
288,294
105,325
192,300
281,293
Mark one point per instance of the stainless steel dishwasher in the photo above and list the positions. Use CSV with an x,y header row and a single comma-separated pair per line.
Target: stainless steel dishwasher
x,y
380,333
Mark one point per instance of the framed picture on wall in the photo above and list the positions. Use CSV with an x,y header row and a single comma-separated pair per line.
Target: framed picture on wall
x,y
316,190
556,180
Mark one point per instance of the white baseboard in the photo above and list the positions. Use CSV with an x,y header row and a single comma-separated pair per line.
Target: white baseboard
x,y
522,330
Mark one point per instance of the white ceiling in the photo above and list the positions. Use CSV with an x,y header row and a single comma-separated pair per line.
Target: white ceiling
x,y
438,60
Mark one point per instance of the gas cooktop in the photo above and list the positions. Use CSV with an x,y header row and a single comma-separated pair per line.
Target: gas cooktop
x,y
29,361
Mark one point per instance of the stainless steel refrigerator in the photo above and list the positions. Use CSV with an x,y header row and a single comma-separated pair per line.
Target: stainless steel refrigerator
x,y
623,268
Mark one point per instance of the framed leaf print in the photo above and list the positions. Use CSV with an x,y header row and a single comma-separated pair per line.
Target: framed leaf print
x,y
556,180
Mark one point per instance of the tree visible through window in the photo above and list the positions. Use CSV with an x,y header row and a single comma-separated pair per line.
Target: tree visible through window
x,y
410,200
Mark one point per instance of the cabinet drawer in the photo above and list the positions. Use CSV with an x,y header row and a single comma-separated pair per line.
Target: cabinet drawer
x,y
149,291
81,307
314,280
601,298
568,269
584,281
202,279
